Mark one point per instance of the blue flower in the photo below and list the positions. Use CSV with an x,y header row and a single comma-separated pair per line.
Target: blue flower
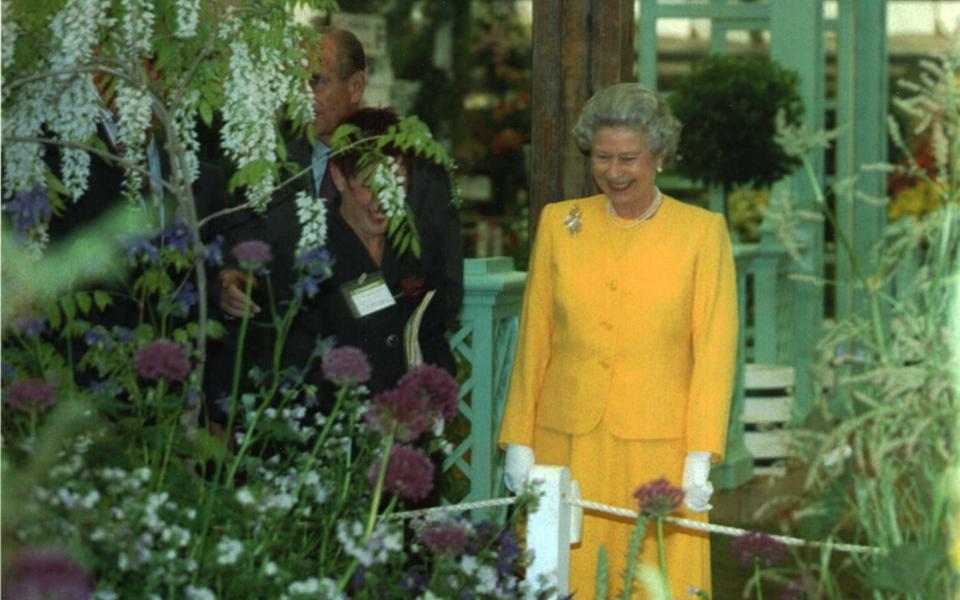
x,y
124,334
98,336
177,236
30,326
30,209
140,247
7,372
187,296
316,262
214,254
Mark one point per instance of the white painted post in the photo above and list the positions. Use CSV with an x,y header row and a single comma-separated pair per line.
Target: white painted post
x,y
549,527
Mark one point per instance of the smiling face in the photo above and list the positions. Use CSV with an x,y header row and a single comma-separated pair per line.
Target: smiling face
x,y
624,169
359,206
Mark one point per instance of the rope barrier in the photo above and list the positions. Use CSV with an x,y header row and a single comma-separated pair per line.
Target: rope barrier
x,y
632,514
410,514
721,529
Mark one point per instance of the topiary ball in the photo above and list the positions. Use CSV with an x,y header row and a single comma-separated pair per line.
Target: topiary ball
x,y
728,106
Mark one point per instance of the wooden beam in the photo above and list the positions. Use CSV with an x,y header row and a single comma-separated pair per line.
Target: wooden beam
x,y
578,48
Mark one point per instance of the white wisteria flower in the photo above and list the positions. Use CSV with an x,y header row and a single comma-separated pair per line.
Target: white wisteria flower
x,y
312,215
387,184
138,24
188,15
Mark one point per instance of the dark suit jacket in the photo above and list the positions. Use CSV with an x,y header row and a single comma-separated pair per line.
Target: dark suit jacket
x,y
379,335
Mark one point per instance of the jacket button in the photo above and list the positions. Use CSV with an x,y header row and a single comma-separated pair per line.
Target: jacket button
x,y
605,364
607,325
393,340
612,285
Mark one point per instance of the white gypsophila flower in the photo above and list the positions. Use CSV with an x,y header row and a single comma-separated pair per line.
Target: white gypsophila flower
x,y
307,587
90,500
188,15
199,593
387,185
134,112
468,564
228,550
270,568
245,497
486,579
312,215
138,24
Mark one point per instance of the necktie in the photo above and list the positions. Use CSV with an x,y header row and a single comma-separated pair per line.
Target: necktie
x,y
319,165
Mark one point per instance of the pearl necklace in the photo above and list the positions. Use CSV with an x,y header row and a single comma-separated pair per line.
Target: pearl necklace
x,y
618,220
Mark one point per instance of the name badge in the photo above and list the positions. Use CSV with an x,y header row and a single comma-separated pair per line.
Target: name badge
x,y
367,295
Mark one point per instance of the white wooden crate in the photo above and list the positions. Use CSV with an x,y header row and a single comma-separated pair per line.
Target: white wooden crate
x,y
768,391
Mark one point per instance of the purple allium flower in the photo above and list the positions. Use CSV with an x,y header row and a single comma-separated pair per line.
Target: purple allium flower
x,y
754,546
162,359
437,385
409,473
30,393
30,326
658,498
30,209
346,365
510,553
402,411
49,574
252,254
444,537
214,252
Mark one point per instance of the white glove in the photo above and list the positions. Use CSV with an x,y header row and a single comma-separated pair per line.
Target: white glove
x,y
697,488
516,471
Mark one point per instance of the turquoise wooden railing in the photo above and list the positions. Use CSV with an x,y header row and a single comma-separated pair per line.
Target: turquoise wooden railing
x,y
486,341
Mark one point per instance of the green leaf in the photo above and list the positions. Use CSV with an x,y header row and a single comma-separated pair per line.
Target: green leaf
x,y
83,302
69,307
208,447
206,111
101,299
906,569
53,314
215,329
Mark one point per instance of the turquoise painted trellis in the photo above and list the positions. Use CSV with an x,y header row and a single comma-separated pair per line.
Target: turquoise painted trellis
x,y
800,33
485,343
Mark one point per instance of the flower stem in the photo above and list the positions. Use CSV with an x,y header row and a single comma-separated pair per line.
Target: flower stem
x,y
756,578
661,550
378,488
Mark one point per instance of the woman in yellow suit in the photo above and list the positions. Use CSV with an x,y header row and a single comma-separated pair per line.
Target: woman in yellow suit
x,y
625,359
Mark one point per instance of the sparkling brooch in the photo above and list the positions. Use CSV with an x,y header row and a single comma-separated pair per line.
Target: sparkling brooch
x,y
572,220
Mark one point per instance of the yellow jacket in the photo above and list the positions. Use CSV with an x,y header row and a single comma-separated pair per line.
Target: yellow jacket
x,y
635,326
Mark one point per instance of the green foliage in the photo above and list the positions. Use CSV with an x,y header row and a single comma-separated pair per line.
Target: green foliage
x,y
876,450
727,106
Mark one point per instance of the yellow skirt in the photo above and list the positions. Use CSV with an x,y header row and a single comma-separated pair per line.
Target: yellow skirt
x,y
609,469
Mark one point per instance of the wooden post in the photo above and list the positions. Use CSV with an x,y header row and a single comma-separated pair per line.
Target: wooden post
x,y
579,47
